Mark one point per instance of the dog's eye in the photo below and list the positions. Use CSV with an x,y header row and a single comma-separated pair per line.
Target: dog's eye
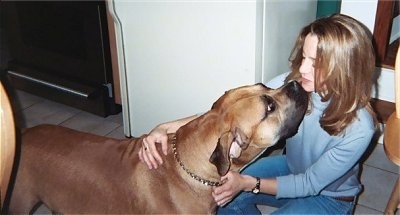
x,y
269,103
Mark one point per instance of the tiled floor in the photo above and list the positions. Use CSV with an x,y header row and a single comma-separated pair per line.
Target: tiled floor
x,y
378,175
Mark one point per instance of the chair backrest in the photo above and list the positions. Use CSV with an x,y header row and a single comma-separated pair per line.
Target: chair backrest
x,y
392,128
7,142
397,82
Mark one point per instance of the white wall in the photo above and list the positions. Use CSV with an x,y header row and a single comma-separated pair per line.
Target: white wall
x,y
285,19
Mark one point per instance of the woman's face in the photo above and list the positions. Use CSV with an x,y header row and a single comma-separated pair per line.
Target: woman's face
x,y
307,69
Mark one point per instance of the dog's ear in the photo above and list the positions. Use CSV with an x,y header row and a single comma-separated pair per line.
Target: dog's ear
x,y
229,146
220,156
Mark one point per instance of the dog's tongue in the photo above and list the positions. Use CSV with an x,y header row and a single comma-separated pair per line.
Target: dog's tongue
x,y
235,150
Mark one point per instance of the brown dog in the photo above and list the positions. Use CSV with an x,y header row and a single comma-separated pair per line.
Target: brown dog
x,y
75,172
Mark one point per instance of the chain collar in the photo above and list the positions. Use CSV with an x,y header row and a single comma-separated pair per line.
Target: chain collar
x,y
194,176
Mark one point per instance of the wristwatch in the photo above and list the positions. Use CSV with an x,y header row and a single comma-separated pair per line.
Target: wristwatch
x,y
256,189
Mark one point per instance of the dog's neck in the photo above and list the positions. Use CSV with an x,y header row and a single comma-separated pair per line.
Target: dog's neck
x,y
188,171
194,145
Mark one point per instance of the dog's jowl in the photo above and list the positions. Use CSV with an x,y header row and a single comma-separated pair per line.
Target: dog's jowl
x,y
76,172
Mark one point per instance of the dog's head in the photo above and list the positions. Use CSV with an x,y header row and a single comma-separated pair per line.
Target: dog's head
x,y
252,118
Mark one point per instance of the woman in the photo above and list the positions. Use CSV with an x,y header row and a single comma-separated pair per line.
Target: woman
x,y
333,58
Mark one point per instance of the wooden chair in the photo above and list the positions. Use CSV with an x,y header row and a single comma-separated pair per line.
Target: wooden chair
x,y
392,140
7,142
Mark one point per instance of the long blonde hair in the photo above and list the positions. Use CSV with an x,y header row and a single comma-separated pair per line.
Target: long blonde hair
x,y
344,68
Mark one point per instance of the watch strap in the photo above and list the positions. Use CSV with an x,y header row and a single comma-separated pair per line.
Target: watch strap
x,y
256,188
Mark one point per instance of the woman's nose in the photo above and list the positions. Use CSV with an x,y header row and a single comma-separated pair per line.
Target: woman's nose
x,y
306,66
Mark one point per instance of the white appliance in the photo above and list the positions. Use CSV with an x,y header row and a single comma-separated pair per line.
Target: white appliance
x,y
177,57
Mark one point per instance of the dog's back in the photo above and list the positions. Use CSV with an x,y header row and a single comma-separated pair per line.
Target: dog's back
x,y
58,163
74,172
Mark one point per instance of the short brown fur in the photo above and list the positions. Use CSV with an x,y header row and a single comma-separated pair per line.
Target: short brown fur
x,y
76,172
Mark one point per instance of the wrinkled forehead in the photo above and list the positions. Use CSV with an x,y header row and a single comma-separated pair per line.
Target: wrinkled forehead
x,y
233,95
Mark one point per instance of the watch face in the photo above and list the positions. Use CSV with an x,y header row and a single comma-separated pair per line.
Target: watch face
x,y
255,190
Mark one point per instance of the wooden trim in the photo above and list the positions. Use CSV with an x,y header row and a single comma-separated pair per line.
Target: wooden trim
x,y
7,142
114,57
383,109
385,52
386,10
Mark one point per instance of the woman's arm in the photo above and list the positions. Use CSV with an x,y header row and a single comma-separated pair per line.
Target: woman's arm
x,y
148,152
173,126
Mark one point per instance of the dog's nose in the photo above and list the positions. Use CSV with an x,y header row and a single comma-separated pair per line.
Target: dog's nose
x,y
295,91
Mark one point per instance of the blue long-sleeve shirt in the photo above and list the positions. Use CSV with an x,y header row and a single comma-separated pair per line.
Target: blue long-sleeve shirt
x,y
321,163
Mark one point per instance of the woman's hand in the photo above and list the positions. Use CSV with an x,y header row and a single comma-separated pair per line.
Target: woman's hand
x,y
148,153
234,182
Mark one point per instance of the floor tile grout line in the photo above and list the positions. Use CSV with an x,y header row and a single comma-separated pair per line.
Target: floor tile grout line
x,y
366,206
72,116
379,168
115,129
